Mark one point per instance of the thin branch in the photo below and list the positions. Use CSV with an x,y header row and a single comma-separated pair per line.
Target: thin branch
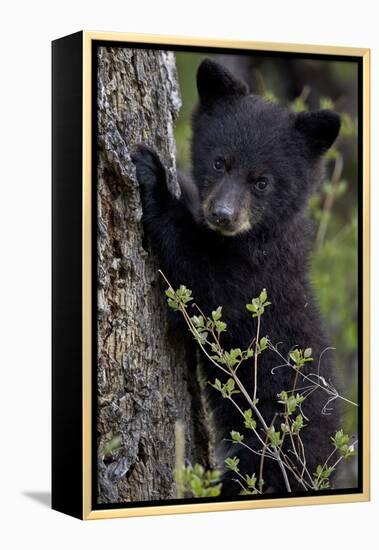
x,y
328,202
256,359
327,387
264,452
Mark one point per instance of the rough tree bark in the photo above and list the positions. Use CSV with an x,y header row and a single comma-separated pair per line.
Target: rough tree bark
x,y
144,380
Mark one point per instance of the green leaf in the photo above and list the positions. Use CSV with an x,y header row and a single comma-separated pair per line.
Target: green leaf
x,y
340,439
270,97
213,491
214,475
294,355
248,492
249,423
184,294
198,482
283,396
284,427
342,443
220,326
298,423
230,385
308,353
263,343
232,357
298,105
248,353
326,103
263,296
216,315
201,337
274,437
291,404
196,486
217,384
198,470
236,436
232,464
321,477
251,481
227,389
198,321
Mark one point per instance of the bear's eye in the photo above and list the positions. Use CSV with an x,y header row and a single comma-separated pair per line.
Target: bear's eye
x,y
219,164
261,184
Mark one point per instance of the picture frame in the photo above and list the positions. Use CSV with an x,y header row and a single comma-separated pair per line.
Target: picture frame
x,y
75,373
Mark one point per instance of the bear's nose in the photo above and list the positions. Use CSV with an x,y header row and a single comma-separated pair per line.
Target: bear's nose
x,y
222,215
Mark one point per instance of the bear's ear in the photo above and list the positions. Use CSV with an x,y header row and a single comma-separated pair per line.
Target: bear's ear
x,y
214,81
320,129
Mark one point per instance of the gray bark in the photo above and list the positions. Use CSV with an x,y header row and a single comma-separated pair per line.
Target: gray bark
x,y
144,381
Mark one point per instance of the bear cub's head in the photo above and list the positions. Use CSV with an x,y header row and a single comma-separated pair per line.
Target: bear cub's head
x,y
255,163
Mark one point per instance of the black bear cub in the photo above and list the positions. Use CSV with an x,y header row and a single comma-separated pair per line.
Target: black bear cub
x,y
241,226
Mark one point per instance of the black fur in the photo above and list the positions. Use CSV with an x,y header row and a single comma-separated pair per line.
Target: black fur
x,y
254,139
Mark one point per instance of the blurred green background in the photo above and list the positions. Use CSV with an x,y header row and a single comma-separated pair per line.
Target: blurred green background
x,y
303,84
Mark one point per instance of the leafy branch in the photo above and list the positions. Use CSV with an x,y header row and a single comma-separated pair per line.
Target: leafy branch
x,y
291,457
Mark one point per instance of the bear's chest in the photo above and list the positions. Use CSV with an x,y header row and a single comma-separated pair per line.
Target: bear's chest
x,y
230,280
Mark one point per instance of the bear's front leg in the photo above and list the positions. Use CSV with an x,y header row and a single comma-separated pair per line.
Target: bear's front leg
x,y
167,221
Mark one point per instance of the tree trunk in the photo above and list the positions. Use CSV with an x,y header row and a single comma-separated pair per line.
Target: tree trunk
x,y
144,380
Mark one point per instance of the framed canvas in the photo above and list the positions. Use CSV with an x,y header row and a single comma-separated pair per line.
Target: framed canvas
x,y
210,275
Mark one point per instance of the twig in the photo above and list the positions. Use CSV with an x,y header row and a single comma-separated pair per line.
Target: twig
x,y
328,202
256,359
326,387
264,452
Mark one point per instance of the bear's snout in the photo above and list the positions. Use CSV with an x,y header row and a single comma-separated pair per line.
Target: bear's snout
x,y
222,215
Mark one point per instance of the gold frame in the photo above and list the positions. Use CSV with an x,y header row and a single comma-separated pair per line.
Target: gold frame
x,y
364,53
